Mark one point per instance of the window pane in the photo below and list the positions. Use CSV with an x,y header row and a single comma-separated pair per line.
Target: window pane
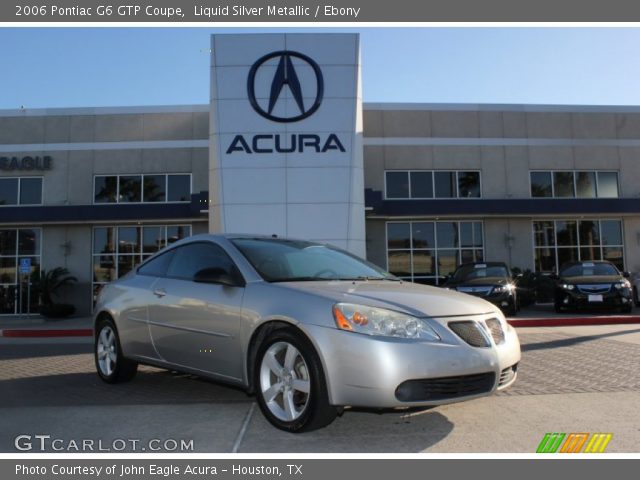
x,y
541,184
152,238
128,240
479,256
28,242
589,232
8,191
467,256
544,234
614,255
104,240
104,268
179,188
106,189
566,255
566,233
466,234
130,187
7,242
424,263
399,263
421,185
158,266
478,238
590,253
611,231
126,263
468,184
445,183
447,234
190,259
586,184
447,262
155,188
563,184
177,232
397,184
8,270
423,235
31,191
398,235
545,260
608,185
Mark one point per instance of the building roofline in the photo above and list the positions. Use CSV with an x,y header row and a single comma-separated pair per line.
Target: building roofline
x,y
368,106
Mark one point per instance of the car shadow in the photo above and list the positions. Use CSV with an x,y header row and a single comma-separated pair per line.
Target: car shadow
x,y
567,342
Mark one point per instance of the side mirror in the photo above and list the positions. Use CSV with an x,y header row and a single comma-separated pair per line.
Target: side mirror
x,y
626,274
216,275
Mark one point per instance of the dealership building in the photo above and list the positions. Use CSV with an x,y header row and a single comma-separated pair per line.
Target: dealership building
x,y
287,147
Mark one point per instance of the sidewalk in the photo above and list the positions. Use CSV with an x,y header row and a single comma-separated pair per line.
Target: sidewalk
x,y
37,326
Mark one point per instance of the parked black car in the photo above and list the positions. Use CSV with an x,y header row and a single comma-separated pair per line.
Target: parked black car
x,y
490,280
592,285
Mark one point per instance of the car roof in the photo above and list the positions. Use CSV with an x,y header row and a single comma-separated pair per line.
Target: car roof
x,y
488,264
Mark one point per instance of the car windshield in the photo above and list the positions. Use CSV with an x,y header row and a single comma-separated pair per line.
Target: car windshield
x,y
280,260
588,270
472,272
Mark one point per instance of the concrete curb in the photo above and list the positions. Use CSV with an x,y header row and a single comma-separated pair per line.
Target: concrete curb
x,y
572,321
39,333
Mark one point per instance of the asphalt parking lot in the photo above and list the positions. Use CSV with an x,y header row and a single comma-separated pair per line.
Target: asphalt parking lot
x,y
571,379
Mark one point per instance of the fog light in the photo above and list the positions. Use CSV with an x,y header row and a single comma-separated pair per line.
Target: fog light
x,y
624,300
505,304
566,300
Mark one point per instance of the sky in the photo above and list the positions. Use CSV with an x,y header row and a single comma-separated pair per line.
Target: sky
x,y
81,67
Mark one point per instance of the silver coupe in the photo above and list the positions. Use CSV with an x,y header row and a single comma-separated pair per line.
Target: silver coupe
x,y
308,328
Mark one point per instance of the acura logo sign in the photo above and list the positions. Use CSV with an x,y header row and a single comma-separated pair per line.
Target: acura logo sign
x,y
286,75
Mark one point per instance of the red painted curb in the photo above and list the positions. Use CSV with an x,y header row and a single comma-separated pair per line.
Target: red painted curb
x,y
81,332
572,321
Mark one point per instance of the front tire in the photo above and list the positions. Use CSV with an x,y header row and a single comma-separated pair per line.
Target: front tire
x,y
290,383
111,365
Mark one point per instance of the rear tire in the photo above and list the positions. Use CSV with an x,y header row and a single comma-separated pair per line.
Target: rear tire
x,y
111,365
290,383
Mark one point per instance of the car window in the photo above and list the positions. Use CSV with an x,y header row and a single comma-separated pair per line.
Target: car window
x,y
470,272
193,257
157,267
589,269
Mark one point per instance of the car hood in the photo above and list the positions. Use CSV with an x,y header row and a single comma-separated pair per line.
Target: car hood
x,y
481,281
586,280
411,298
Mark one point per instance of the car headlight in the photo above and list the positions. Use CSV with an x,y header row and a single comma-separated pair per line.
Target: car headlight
x,y
381,322
567,286
504,288
621,285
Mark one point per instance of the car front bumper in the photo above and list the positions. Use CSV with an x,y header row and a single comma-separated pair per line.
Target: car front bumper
x,y
578,300
382,372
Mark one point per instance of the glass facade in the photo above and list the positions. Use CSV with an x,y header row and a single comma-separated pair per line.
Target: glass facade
x,y
422,184
557,242
15,245
425,252
20,191
173,187
574,184
119,249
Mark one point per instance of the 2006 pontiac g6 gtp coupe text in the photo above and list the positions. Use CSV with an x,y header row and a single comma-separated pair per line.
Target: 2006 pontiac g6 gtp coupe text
x,y
308,328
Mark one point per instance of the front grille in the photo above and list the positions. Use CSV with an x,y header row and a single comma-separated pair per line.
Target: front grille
x,y
599,288
507,375
478,291
445,388
470,332
495,327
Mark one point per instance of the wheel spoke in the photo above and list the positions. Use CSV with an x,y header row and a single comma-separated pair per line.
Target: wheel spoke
x,y
103,337
289,406
301,385
272,392
290,357
112,357
273,364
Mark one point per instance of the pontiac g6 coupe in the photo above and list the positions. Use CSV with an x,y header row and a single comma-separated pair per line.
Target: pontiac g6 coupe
x,y
308,328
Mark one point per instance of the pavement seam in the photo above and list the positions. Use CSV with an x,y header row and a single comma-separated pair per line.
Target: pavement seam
x,y
243,429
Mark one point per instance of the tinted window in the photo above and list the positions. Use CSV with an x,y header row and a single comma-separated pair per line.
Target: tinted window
x,y
154,188
468,184
608,184
179,188
158,266
397,184
130,188
563,184
541,184
470,272
421,185
445,184
586,184
588,269
106,189
8,191
190,259
31,191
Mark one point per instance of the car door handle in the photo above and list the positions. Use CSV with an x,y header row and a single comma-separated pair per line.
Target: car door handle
x,y
159,292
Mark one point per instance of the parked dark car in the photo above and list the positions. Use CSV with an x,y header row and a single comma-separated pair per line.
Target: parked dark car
x,y
492,281
592,285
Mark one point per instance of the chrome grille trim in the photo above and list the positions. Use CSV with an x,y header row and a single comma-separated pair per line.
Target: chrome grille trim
x,y
495,328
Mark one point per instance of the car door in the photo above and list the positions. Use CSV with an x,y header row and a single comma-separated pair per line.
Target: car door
x,y
197,325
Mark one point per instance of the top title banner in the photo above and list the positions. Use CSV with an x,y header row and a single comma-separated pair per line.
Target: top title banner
x,y
319,11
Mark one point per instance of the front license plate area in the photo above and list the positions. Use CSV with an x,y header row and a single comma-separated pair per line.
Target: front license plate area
x,y
595,298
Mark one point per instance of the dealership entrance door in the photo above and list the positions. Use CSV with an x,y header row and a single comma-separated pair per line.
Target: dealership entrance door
x,y
18,290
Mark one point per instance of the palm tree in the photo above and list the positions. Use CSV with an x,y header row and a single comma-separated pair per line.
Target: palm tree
x,y
50,282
